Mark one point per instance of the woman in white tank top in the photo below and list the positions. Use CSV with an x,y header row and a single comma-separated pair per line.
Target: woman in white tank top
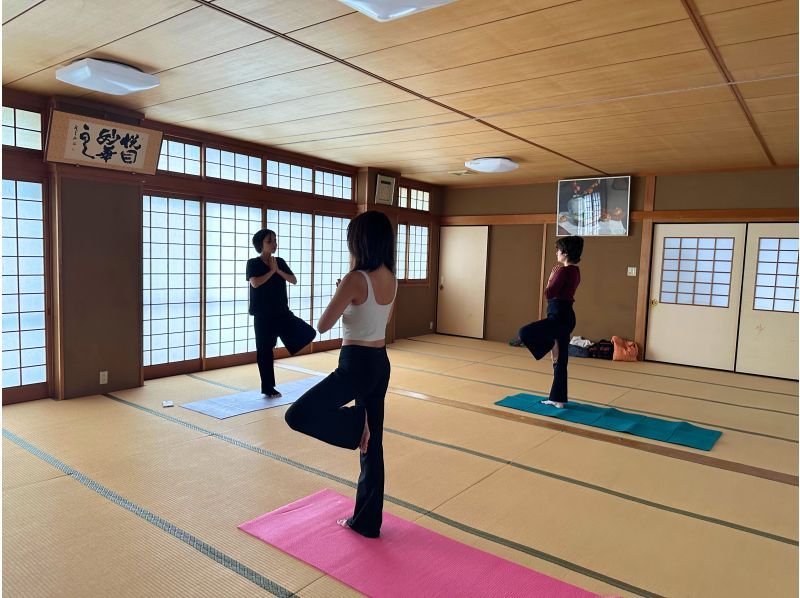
x,y
364,299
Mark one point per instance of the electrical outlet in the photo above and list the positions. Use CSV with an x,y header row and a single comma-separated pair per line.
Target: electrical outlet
x,y
631,270
430,326
104,377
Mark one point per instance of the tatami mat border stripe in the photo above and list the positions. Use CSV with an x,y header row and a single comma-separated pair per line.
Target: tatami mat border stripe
x,y
402,503
666,451
164,525
573,377
622,495
631,409
599,367
566,479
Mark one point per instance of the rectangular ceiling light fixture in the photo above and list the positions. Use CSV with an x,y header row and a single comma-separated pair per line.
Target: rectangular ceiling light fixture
x,y
388,10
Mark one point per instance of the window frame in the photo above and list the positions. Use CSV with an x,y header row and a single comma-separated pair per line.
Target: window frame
x,y
775,286
694,272
193,177
415,281
39,390
408,186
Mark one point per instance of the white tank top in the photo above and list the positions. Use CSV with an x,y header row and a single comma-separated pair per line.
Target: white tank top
x,y
367,322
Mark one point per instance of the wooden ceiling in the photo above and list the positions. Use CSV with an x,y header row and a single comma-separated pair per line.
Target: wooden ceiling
x,y
564,87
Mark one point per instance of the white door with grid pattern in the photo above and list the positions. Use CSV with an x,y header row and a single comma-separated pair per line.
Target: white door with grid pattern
x,y
462,280
695,287
768,325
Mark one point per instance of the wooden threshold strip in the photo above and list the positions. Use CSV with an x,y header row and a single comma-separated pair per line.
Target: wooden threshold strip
x,y
665,451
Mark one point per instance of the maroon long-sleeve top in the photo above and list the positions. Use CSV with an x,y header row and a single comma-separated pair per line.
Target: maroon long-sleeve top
x,y
564,283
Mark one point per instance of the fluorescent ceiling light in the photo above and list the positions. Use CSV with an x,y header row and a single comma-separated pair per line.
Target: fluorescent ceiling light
x,y
106,76
491,165
387,10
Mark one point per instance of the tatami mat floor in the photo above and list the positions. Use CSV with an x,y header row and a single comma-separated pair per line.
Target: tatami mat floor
x,y
117,496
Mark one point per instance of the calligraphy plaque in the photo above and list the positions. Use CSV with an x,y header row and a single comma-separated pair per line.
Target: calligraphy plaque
x,y
75,139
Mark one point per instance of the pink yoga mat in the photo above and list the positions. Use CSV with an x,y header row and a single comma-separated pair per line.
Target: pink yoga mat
x,y
407,559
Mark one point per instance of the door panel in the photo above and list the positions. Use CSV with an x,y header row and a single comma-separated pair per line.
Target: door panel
x,y
768,327
462,280
695,293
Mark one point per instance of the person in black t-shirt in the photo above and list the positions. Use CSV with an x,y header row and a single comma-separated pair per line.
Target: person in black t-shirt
x,y
269,307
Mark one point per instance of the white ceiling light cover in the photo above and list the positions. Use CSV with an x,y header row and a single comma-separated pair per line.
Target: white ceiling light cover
x,y
491,164
387,10
106,76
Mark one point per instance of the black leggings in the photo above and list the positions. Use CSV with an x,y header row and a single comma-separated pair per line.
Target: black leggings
x,y
294,332
539,337
363,375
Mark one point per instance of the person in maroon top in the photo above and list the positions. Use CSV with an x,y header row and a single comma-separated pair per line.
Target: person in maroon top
x,y
553,333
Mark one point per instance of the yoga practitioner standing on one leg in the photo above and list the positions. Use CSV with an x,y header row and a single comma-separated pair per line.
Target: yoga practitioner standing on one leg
x,y
365,299
553,333
269,306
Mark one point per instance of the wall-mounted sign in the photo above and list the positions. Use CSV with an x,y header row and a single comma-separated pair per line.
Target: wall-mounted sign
x,y
384,190
75,139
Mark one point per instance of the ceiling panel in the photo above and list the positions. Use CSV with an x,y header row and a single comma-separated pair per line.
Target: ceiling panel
x,y
378,94
554,26
100,23
404,127
621,85
754,22
707,7
13,8
773,103
709,117
357,34
780,129
761,58
685,151
373,116
653,76
286,16
583,56
424,146
422,137
298,85
596,109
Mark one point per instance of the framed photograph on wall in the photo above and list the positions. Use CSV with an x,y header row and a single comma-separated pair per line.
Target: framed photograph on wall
x,y
596,207
384,190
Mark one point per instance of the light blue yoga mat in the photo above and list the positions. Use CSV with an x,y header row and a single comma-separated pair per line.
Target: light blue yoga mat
x,y
252,400
608,418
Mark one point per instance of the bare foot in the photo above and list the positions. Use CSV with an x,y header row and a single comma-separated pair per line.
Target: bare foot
x,y
553,403
364,438
342,522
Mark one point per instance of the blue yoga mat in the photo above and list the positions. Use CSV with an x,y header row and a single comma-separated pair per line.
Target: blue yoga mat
x,y
608,418
252,400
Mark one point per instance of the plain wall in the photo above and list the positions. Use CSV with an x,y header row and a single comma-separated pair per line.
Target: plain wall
x,y
101,278
728,190
606,300
512,285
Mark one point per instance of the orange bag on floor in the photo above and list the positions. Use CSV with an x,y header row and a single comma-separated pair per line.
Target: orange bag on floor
x,y
624,350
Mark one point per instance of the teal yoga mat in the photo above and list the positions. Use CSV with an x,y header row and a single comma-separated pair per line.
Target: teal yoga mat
x,y
608,418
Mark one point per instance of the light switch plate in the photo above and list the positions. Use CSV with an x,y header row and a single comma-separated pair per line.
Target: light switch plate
x,y
631,270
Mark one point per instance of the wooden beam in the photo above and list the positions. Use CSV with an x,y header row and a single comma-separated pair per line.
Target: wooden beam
x,y
542,271
705,36
498,219
737,215
643,292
